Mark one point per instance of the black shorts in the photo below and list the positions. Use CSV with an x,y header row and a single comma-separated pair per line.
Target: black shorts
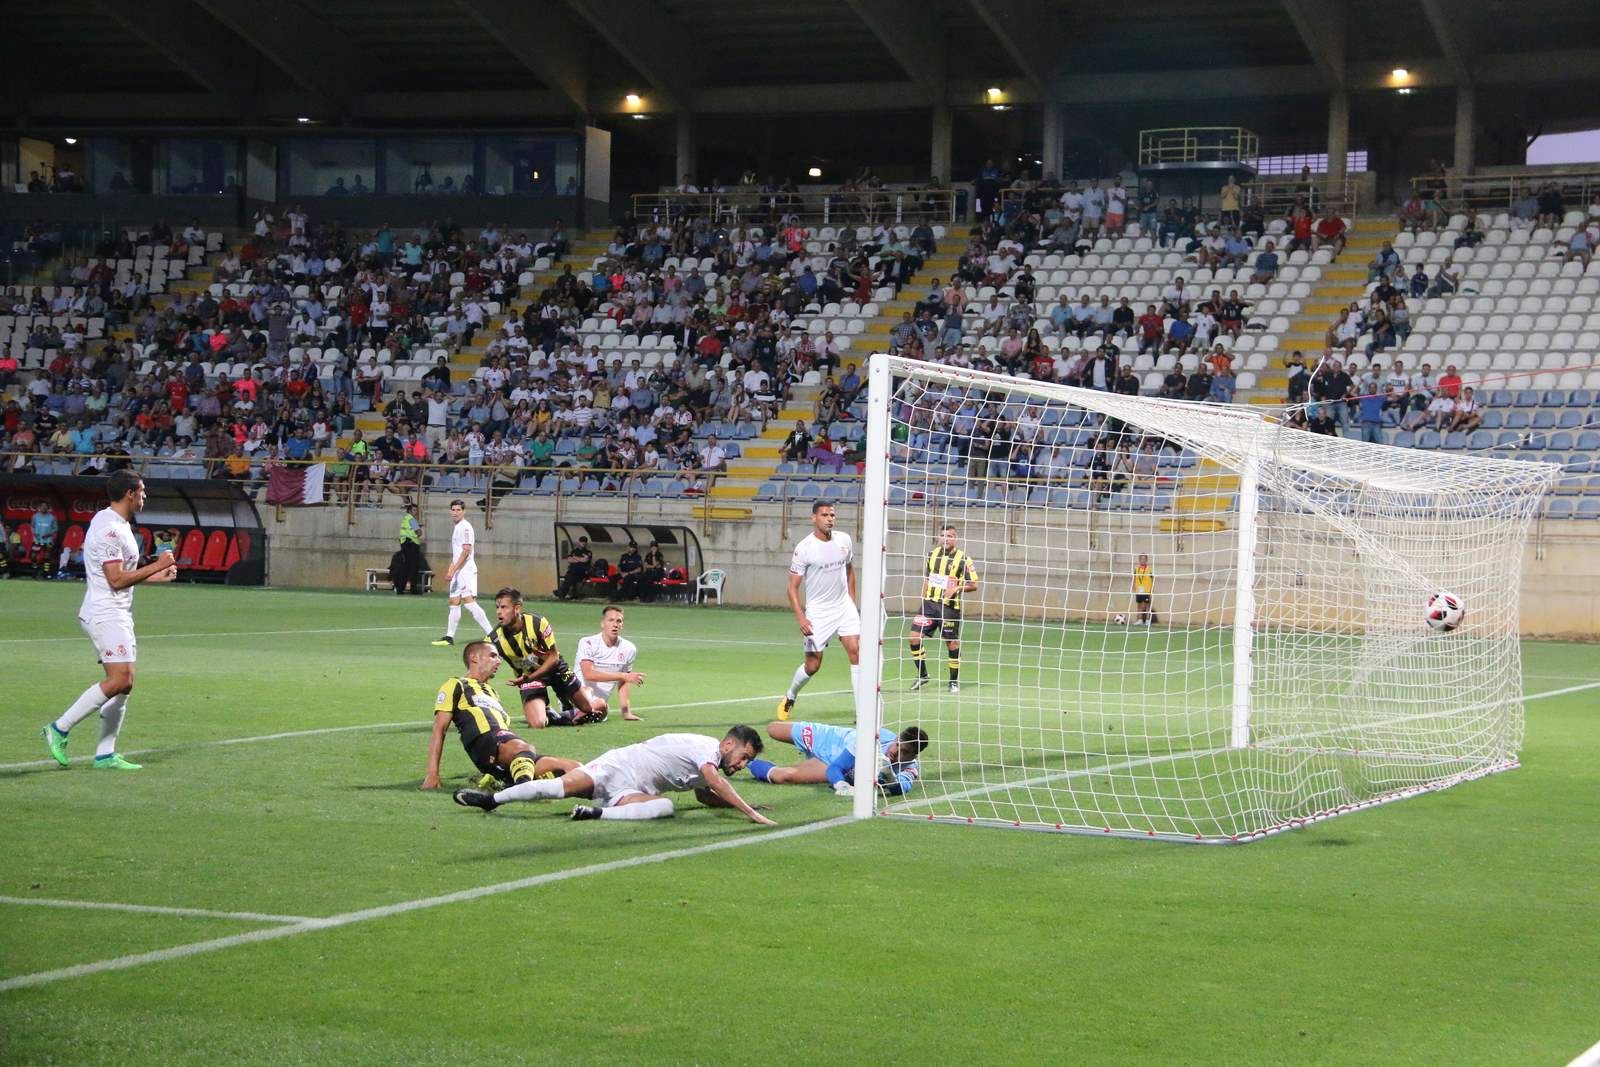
x,y
937,616
484,753
562,681
1141,598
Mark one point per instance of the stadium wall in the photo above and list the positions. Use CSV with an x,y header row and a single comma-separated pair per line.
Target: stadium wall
x,y
1035,568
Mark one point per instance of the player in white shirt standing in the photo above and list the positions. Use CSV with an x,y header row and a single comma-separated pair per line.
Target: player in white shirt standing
x,y
605,662
823,560
627,783
111,566
463,575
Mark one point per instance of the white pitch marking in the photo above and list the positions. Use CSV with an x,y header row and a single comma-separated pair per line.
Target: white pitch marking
x,y
156,909
272,933
376,726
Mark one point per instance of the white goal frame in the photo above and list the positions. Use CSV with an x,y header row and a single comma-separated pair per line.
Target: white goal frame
x,y
1250,438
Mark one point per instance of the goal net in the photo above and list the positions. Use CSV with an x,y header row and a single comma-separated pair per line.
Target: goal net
x,y
1282,670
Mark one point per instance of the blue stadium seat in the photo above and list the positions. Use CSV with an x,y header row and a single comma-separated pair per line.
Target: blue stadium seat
x,y
1404,439
1427,439
1570,485
1507,439
1559,442
1491,420
1579,398
1571,419
1554,398
1589,441
1559,507
1589,508
773,491
1527,398
1501,398
1039,495
1480,439
1516,420
1455,440
1543,420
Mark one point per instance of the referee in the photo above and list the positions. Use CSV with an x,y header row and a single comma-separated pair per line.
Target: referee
x,y
950,574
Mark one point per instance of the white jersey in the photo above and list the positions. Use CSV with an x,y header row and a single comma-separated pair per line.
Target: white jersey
x,y
823,565
668,763
463,536
618,658
110,538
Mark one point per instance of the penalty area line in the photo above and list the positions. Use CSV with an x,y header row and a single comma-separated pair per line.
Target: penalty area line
x,y
306,926
321,730
156,909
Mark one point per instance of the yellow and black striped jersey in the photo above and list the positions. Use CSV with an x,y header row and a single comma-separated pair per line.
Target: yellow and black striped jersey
x,y
473,707
527,648
948,570
1143,580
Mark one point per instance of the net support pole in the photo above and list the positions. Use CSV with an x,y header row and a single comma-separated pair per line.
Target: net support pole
x,y
870,555
1244,601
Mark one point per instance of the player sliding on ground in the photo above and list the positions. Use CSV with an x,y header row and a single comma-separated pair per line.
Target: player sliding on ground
x,y
111,567
528,642
950,573
462,574
627,783
830,756
469,703
822,560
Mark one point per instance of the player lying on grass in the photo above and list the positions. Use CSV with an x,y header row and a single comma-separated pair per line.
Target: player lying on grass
x,y
528,642
470,704
830,756
627,783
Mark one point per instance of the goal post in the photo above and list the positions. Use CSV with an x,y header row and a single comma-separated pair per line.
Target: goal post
x,y
1191,622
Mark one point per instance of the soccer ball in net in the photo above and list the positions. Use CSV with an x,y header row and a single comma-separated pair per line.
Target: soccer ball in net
x,y
1445,611
1121,619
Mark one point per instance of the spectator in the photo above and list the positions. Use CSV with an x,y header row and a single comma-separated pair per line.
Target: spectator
x,y
1385,264
1369,412
1467,413
1266,265
1330,232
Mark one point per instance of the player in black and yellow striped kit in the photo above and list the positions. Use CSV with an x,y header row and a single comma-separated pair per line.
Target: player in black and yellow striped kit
x,y
528,643
950,574
470,705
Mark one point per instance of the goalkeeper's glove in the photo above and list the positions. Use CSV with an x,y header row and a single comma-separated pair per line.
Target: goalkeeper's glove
x,y
842,788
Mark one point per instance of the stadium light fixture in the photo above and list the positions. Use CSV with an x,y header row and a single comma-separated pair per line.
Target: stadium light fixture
x,y
70,140
814,172
994,92
1000,107
1403,92
303,120
633,100
1400,74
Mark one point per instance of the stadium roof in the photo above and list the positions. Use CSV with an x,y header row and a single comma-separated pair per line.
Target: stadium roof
x,y
527,61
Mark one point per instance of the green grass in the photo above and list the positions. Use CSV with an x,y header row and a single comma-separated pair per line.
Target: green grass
x,y
1452,928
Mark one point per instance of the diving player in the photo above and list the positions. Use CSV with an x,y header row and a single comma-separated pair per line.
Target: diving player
x,y
528,643
950,574
830,756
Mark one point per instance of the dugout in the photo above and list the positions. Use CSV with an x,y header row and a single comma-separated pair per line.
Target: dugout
x,y
680,551
218,533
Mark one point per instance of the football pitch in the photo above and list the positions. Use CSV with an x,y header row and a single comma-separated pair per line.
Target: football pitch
x,y
273,889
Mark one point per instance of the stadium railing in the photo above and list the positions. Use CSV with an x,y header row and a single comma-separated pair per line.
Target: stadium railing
x,y
1274,197
817,207
1492,193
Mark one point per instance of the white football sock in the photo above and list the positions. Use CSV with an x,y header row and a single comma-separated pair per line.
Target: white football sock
x,y
659,808
454,620
855,678
478,616
85,706
799,681
541,789
110,723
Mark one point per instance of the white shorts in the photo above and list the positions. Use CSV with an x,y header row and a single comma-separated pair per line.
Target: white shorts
x,y
615,781
464,586
842,621
113,638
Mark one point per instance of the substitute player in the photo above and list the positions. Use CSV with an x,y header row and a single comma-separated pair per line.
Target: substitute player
x,y
829,755
528,642
605,663
1144,587
627,783
823,560
462,575
469,703
111,567
950,574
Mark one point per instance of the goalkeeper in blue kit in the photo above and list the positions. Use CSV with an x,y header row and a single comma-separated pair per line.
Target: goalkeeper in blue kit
x,y
830,756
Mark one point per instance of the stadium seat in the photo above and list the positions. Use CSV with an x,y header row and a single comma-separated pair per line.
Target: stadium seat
x,y
216,551
191,548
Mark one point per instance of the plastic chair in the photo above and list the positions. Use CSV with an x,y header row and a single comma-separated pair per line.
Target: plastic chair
x,y
708,583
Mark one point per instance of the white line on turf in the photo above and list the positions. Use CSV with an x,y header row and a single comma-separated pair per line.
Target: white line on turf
x,y
285,735
156,909
1589,1057
273,933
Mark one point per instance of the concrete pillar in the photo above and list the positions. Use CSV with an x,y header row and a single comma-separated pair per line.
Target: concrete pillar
x,y
1338,134
1050,138
939,159
686,149
1466,129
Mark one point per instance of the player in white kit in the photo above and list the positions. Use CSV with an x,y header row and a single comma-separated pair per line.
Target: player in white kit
x,y
605,663
627,783
462,575
111,566
824,561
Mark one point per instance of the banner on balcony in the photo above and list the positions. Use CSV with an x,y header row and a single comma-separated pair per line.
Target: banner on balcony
x,y
296,485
